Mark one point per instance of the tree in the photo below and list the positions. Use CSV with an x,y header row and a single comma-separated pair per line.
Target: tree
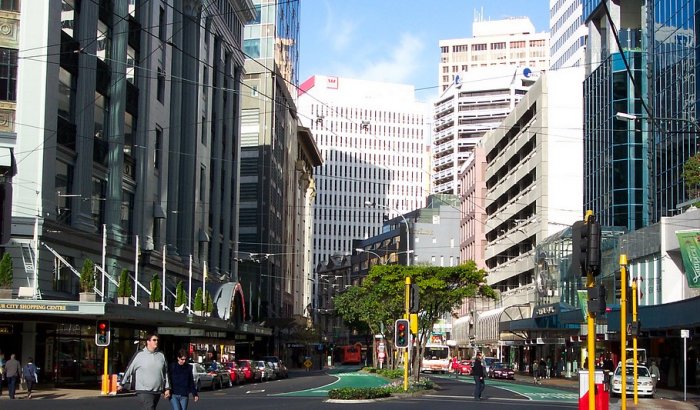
x,y
199,300
691,176
209,305
87,276
124,288
156,290
6,273
180,296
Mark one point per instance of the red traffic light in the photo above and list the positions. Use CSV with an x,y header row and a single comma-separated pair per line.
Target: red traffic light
x,y
102,325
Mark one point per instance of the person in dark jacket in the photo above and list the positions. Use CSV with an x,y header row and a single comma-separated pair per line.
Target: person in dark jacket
x,y
478,373
13,371
181,382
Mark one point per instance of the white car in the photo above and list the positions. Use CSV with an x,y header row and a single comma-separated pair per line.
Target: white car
x,y
202,378
645,383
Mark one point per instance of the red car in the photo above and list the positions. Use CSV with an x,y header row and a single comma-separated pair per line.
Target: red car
x,y
250,371
464,367
236,372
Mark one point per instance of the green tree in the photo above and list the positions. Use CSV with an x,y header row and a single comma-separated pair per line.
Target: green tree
x,y
156,290
6,271
209,306
199,300
180,296
87,276
124,288
691,176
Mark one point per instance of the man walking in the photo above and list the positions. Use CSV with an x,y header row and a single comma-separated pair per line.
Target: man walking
x,y
151,371
12,369
478,373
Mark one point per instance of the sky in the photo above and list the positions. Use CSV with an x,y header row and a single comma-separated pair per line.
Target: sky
x,y
395,40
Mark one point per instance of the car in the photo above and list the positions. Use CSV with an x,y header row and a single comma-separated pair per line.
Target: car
x,y
277,365
645,382
499,370
487,362
266,370
464,367
236,373
202,378
221,376
250,372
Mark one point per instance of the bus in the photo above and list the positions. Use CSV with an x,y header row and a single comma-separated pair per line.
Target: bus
x,y
351,354
436,358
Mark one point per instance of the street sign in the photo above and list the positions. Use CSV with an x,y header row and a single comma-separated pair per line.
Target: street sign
x,y
382,355
307,363
685,333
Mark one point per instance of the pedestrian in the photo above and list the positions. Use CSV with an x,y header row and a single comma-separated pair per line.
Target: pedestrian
x,y
535,371
655,373
29,375
478,373
182,382
150,369
543,369
454,365
12,373
2,370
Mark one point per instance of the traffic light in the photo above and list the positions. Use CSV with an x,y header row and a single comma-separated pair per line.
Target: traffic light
x,y
618,284
579,246
401,334
585,241
102,333
596,300
413,299
593,248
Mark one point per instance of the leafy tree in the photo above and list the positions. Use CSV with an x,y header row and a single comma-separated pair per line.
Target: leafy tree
x,y
6,271
124,288
691,176
199,300
209,306
180,296
87,276
156,290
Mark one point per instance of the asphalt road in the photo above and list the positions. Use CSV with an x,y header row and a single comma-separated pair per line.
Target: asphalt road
x,y
305,391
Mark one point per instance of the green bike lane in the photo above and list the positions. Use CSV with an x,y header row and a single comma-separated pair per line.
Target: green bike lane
x,y
534,392
345,379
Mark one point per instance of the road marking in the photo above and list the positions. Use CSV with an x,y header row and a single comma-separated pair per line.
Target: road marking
x,y
255,391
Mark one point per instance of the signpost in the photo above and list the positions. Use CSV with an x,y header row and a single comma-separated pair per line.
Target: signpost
x,y
685,334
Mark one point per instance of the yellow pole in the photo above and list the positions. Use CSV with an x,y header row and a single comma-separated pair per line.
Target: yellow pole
x,y
634,340
105,375
623,331
590,282
406,356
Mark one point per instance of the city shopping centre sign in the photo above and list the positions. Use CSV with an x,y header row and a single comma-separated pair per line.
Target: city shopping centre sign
x,y
52,307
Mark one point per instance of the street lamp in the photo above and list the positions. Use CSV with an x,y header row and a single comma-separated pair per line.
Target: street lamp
x,y
408,230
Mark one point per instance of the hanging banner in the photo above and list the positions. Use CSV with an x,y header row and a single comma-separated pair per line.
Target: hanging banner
x,y
690,251
583,302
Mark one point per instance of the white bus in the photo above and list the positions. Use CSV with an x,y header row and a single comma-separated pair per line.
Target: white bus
x,y
436,358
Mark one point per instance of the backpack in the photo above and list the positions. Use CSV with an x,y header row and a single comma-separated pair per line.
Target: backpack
x,y
29,372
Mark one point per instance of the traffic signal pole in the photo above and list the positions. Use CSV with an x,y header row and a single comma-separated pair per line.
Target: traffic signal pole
x,y
105,374
406,353
590,282
623,331
634,340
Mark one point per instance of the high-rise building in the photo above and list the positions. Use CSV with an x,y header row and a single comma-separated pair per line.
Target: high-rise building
x,y
372,140
273,217
475,103
567,33
507,42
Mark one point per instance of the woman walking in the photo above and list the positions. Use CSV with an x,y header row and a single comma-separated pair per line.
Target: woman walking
x,y
182,382
29,375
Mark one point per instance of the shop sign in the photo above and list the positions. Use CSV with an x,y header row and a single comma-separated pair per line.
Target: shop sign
x,y
6,330
40,307
546,310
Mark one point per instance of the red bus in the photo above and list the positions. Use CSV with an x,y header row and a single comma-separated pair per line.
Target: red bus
x,y
351,354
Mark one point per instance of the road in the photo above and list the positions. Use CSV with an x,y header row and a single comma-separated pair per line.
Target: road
x,y
305,391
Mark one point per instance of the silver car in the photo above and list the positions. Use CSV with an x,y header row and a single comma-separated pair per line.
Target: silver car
x,y
645,383
202,378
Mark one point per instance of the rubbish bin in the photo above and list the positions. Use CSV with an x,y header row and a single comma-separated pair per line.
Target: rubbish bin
x,y
602,393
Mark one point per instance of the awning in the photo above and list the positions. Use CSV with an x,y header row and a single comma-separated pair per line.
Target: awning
x,y
487,324
669,316
460,329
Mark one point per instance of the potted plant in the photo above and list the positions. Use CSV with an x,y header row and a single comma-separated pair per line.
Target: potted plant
x,y
87,281
180,297
6,276
156,292
198,302
209,305
124,288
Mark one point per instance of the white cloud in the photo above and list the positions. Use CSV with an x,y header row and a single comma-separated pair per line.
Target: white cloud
x,y
338,33
399,65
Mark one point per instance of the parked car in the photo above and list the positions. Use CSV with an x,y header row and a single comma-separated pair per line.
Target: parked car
x,y
250,371
266,370
499,370
487,362
645,383
277,365
464,367
202,378
236,373
221,376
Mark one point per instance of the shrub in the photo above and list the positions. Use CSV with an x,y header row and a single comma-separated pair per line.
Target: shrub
x,y
390,373
124,289
209,306
199,300
87,276
6,275
180,297
359,393
156,290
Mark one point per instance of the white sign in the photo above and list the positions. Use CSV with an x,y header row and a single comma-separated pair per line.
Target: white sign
x,y
685,333
382,355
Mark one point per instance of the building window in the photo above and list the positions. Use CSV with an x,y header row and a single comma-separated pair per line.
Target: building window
x,y
160,93
202,182
66,91
251,47
9,5
162,28
158,151
67,16
8,74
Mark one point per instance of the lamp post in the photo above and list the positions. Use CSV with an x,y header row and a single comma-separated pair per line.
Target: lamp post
x,y
408,229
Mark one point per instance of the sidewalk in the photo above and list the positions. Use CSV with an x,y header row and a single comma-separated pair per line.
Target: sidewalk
x,y
664,398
